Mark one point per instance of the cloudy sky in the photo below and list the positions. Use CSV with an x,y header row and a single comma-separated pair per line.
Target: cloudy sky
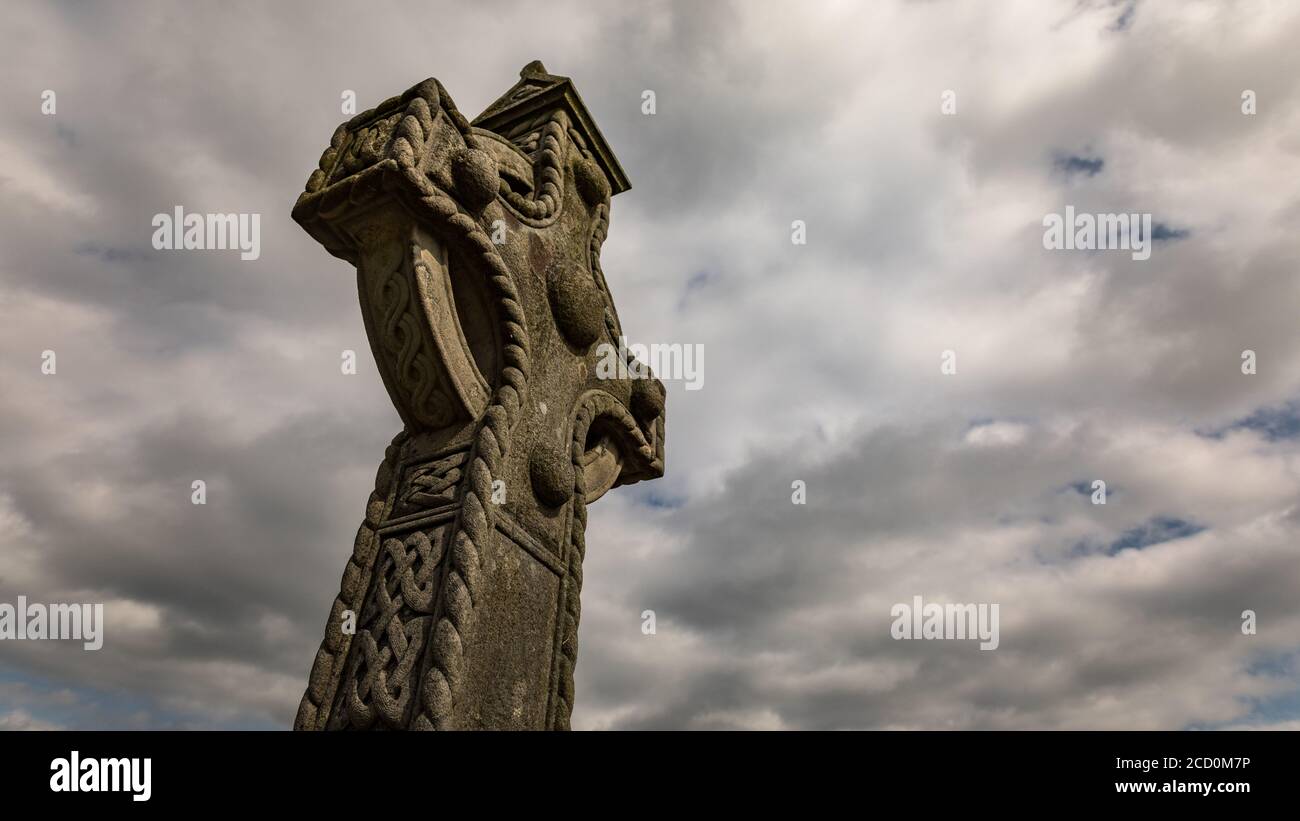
x,y
822,360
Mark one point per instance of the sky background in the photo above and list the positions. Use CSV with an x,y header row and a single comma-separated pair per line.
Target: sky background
x,y
924,234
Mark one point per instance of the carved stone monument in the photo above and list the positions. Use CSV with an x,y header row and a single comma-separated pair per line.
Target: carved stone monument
x,y
477,250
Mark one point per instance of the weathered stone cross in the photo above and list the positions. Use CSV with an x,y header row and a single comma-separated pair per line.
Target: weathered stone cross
x,y
477,249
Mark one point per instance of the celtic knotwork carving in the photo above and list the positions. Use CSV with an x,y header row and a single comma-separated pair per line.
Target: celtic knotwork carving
x,y
402,335
431,485
391,631
366,146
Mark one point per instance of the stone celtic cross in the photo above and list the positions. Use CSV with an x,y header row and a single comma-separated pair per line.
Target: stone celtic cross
x,y
477,250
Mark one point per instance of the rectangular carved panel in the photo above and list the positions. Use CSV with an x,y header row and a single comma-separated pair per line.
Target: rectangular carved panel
x,y
380,683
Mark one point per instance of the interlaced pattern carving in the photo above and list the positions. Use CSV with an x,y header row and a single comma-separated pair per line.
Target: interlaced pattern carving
x,y
402,336
431,484
392,629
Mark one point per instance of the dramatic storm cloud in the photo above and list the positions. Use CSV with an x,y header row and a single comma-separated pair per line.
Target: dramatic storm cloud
x,y
921,145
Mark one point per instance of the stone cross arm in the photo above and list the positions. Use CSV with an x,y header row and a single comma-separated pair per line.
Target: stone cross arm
x,y
477,252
